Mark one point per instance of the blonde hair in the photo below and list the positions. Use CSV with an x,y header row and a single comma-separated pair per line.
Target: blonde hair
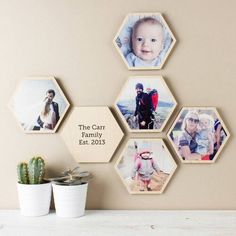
x,y
46,108
188,115
209,118
150,20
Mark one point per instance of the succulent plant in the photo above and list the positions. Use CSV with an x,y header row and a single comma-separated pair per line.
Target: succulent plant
x,y
72,177
22,172
36,169
31,173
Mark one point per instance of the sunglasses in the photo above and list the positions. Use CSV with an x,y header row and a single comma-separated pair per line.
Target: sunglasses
x,y
196,121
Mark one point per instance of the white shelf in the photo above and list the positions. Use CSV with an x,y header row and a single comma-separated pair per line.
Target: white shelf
x,y
122,223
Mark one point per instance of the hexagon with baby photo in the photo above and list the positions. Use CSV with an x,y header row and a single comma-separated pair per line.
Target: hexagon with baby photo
x,y
145,166
39,105
144,41
145,104
198,134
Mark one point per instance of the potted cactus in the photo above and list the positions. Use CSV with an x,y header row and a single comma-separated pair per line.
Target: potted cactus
x,y
33,191
70,191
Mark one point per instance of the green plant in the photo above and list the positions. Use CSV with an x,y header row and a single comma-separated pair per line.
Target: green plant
x,y
22,172
31,173
72,177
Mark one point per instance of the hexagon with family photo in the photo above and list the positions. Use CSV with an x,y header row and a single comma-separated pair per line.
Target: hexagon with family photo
x,y
39,105
145,104
145,166
144,41
198,134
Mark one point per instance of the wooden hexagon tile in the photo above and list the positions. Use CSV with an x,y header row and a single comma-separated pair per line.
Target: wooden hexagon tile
x,y
91,134
198,135
39,105
144,41
145,166
145,99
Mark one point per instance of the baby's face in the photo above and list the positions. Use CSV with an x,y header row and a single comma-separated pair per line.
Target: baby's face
x,y
147,41
204,123
145,155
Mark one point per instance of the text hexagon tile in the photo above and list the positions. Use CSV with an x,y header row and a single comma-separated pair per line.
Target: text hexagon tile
x,y
145,166
198,135
39,105
144,41
91,134
146,111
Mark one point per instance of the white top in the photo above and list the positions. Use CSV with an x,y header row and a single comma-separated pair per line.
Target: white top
x,y
49,118
121,223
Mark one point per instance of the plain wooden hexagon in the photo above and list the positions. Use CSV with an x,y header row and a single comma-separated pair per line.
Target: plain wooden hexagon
x,y
91,134
122,39
28,104
125,102
176,130
129,158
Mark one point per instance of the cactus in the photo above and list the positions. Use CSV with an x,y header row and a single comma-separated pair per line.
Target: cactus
x,y
31,173
36,170
72,177
22,171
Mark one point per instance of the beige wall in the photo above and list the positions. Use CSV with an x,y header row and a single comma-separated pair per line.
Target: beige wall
x,y
72,40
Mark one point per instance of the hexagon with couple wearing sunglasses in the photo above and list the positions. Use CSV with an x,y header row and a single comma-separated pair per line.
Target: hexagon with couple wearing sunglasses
x,y
198,135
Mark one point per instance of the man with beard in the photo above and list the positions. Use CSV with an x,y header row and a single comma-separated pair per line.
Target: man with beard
x,y
143,109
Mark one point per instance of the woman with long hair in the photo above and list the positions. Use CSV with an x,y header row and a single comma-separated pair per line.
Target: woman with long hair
x,y
47,115
187,142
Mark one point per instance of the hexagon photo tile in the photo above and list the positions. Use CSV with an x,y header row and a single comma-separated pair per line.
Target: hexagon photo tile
x,y
145,104
144,41
198,135
91,134
39,105
145,166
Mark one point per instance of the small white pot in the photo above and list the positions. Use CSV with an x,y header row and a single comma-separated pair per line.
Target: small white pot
x,y
34,199
70,200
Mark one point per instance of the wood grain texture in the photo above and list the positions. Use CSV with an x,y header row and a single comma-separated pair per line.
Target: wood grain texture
x,y
91,134
129,223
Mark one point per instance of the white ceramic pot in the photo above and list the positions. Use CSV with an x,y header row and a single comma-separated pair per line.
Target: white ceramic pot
x,y
70,200
34,199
